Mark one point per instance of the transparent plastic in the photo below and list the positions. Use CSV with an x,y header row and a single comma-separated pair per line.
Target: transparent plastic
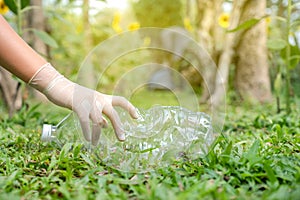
x,y
160,136
157,138
66,131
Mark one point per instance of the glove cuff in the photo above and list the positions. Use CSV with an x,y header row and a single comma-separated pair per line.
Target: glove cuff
x,y
43,77
55,86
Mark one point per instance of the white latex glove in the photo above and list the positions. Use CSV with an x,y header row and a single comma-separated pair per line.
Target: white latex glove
x,y
86,103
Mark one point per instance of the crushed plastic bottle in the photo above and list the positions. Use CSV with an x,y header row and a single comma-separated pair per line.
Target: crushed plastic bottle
x,y
160,136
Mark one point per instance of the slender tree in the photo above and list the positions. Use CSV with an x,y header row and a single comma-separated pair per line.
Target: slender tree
x,y
225,58
248,46
87,75
35,19
209,34
252,78
10,91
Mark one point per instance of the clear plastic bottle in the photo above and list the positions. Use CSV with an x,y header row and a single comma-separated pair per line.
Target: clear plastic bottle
x,y
161,135
65,131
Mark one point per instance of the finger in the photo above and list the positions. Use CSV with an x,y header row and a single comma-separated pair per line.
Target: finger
x,y
97,121
96,112
82,111
125,104
113,116
96,115
96,132
85,127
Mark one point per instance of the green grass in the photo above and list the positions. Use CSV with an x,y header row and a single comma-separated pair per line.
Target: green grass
x,y
145,99
257,156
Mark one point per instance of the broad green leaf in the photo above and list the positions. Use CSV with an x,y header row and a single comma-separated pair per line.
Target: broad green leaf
x,y
30,8
13,175
46,38
270,172
53,162
294,61
247,24
278,84
252,154
276,44
294,55
278,130
12,5
226,153
65,149
76,149
25,3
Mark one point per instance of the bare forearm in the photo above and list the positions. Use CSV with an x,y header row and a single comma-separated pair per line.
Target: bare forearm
x,y
16,55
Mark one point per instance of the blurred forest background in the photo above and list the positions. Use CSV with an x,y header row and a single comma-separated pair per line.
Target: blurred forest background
x,y
254,43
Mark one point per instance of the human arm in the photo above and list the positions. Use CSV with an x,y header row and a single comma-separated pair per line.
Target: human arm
x,y
20,59
16,55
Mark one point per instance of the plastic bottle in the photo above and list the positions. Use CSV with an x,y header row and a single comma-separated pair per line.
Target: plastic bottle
x,y
65,131
158,137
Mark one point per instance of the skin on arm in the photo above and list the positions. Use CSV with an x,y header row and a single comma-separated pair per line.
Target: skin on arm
x,y
20,59
16,55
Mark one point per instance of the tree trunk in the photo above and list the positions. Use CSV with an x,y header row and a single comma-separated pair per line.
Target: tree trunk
x,y
86,75
10,87
208,36
10,91
221,80
35,19
252,71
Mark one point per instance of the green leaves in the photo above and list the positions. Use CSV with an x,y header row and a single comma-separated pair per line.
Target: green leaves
x,y
278,84
270,172
246,25
46,38
257,157
281,45
21,5
278,129
227,152
253,153
13,5
294,57
276,44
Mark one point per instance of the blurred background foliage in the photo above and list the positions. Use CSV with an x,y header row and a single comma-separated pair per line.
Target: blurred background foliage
x,y
162,14
79,26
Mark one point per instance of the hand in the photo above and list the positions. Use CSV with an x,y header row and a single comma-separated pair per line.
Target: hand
x,y
89,105
86,103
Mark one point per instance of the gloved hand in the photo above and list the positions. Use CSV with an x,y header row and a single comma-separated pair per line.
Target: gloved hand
x,y
86,103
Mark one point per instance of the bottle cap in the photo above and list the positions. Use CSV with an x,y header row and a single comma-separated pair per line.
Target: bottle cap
x,y
47,133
